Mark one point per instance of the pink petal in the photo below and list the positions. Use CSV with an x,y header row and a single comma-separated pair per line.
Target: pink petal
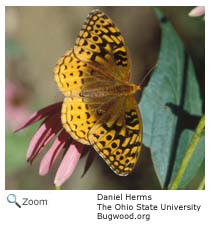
x,y
51,109
51,155
44,134
197,11
68,163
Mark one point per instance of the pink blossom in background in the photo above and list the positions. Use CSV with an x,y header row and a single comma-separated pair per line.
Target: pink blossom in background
x,y
51,128
16,109
197,11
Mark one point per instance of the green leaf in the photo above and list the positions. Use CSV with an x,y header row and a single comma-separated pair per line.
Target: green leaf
x,y
193,105
171,95
195,162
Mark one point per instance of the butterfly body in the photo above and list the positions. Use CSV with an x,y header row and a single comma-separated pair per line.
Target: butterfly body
x,y
99,108
118,90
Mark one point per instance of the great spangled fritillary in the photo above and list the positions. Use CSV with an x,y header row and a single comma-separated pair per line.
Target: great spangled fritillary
x,y
99,108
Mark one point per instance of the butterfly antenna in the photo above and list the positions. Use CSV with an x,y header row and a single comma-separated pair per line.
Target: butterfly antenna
x,y
147,74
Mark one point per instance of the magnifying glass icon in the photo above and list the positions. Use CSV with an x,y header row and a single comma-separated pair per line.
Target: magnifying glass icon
x,y
11,198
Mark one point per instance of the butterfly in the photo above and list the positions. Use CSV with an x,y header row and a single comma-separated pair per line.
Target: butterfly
x,y
99,108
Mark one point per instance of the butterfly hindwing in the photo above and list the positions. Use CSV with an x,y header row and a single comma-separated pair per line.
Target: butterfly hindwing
x,y
79,115
117,136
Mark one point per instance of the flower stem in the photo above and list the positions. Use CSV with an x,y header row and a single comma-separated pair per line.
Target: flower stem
x,y
189,152
57,187
202,184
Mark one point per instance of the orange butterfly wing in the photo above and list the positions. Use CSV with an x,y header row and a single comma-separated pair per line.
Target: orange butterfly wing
x,y
94,112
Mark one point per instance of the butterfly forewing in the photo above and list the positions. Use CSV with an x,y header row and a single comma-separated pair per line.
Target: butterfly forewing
x,y
74,76
101,43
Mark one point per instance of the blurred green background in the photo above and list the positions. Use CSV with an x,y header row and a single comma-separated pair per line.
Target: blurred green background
x,y
35,39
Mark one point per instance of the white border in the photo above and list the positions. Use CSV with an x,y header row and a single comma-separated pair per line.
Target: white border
x,y
103,3
79,207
